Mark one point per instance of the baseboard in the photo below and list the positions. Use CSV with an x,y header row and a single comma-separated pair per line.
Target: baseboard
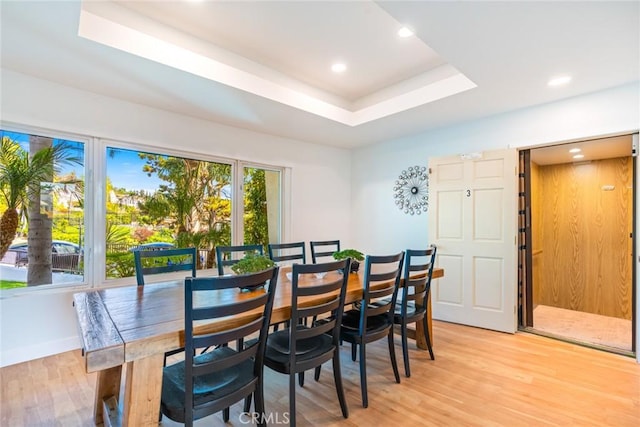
x,y
32,352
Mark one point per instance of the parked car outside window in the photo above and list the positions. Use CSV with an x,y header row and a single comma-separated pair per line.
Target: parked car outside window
x,y
154,246
65,256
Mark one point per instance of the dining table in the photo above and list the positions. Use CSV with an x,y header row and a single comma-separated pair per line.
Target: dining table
x,y
131,327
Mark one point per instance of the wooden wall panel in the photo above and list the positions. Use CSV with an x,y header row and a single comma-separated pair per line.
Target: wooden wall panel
x,y
583,233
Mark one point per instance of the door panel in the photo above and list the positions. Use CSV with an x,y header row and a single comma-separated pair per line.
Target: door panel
x,y
452,293
487,215
488,283
450,213
474,227
491,168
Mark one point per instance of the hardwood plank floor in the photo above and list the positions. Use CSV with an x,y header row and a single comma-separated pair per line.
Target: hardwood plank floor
x,y
479,378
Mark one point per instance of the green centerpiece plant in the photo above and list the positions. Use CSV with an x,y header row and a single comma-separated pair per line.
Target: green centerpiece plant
x,y
252,262
355,255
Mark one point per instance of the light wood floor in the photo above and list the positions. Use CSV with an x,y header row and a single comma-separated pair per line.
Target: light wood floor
x,y
479,378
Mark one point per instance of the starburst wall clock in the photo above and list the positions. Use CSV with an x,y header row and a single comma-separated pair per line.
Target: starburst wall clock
x,y
411,190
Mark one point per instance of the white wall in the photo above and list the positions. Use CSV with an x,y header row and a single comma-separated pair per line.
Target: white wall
x,y
382,228
38,323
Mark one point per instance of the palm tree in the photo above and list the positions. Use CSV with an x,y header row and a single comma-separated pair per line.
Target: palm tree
x,y
21,173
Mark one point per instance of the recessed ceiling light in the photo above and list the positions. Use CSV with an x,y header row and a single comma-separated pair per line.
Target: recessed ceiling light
x,y
338,67
560,80
405,32
578,156
575,150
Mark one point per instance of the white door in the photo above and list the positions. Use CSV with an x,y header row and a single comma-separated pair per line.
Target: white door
x,y
473,221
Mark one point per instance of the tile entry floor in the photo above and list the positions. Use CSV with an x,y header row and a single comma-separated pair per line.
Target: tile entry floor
x,y
583,327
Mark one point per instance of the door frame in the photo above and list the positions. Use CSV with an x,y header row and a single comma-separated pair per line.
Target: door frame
x,y
525,306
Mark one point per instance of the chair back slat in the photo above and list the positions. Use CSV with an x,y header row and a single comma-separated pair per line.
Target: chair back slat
x,y
221,338
223,364
320,289
382,291
314,331
170,268
379,277
318,309
233,281
257,300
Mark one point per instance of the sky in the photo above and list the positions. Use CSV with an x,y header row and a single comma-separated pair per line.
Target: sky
x,y
124,168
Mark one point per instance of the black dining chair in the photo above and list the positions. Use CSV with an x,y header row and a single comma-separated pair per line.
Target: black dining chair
x,y
299,348
288,252
323,249
211,382
226,256
411,304
279,252
149,262
372,320
160,261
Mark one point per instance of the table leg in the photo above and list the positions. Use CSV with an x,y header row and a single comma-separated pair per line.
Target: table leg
x,y
421,341
107,385
143,387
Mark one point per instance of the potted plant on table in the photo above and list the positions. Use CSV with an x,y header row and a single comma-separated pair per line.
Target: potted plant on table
x,y
252,262
355,255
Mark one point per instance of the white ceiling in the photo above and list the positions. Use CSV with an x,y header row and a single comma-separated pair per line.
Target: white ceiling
x,y
594,149
508,49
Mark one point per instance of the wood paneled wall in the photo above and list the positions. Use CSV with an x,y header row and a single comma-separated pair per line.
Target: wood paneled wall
x,y
581,236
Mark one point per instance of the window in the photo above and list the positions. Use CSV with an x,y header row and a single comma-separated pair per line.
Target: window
x,y
134,198
158,200
262,203
42,205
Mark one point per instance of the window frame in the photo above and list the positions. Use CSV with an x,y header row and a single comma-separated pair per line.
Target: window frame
x,y
237,233
95,174
237,207
87,142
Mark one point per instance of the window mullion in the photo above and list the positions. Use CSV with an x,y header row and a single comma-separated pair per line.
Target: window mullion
x,y
237,204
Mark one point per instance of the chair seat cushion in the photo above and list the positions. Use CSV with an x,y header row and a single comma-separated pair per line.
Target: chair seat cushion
x,y
278,347
384,301
411,310
207,387
351,323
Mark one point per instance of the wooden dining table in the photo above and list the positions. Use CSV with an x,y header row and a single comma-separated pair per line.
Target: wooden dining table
x,y
133,327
